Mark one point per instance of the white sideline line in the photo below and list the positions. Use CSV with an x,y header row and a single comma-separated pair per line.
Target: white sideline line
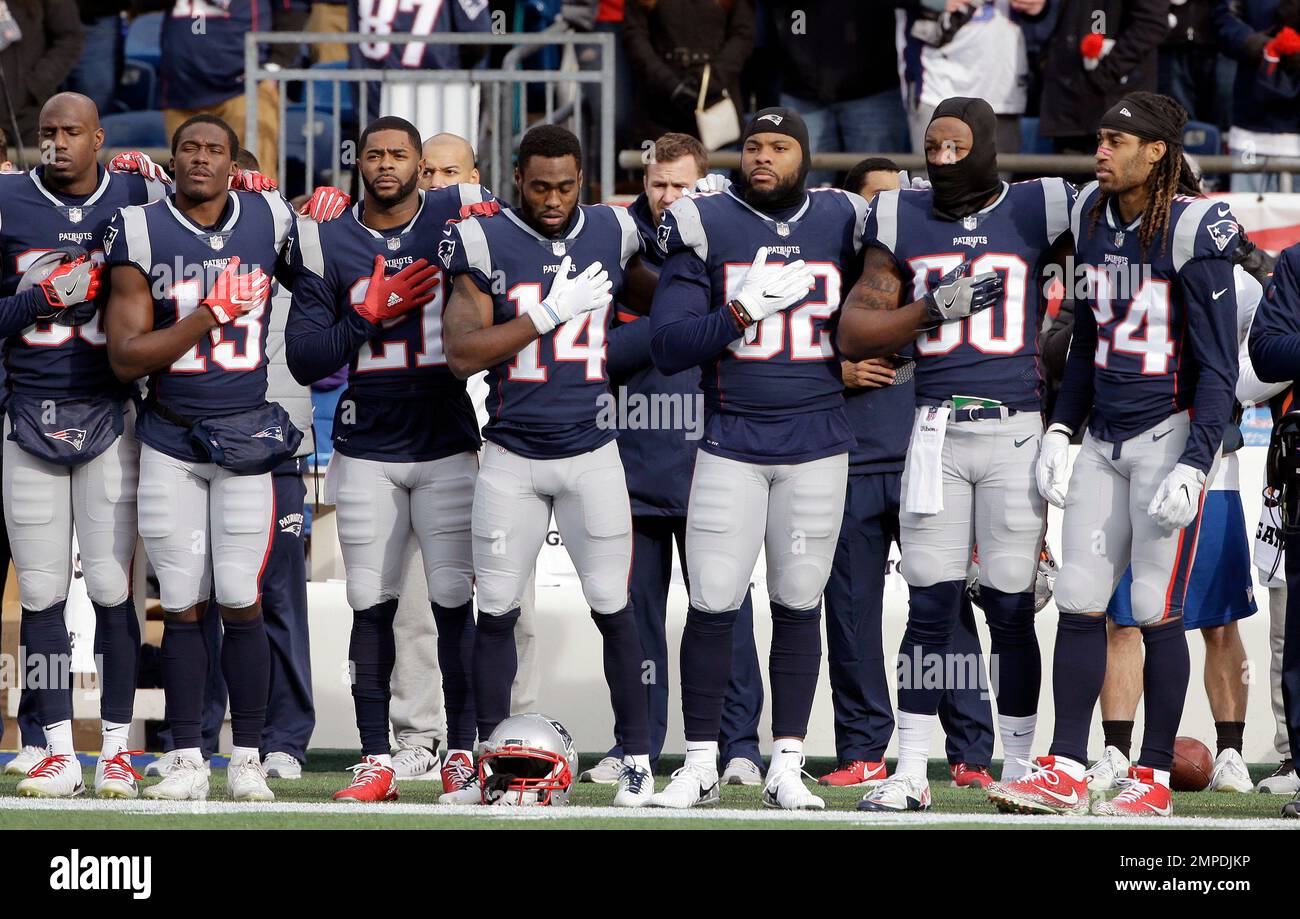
x,y
204,808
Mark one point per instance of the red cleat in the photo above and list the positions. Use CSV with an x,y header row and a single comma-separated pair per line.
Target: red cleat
x,y
1048,789
371,781
1145,793
964,776
856,774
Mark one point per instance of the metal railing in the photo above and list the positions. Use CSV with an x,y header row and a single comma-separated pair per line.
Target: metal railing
x,y
1025,163
504,91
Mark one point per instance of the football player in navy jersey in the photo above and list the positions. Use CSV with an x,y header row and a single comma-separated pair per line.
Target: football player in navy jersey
x,y
1154,360
405,436
658,453
748,293
70,454
1275,351
531,306
958,270
191,275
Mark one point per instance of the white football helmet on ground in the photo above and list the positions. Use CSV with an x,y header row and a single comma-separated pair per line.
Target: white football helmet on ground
x,y
528,761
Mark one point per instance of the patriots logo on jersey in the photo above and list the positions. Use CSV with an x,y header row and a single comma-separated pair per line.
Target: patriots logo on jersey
x,y
274,432
73,436
446,249
664,232
110,235
1222,231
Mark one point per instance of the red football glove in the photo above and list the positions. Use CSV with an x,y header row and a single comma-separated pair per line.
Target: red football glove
x,y
1284,44
410,288
248,180
234,295
139,162
71,283
480,209
326,203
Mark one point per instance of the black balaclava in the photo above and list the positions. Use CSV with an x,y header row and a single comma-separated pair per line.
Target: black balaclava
x,y
963,187
780,120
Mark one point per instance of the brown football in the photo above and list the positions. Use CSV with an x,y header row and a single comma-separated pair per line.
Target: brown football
x,y
1192,765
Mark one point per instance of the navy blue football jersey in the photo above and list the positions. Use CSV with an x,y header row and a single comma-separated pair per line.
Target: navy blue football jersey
x,y
402,404
47,359
994,353
225,372
1156,331
203,49
545,403
776,396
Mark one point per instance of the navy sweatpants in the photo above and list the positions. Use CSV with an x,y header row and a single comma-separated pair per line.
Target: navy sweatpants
x,y
864,719
290,712
652,568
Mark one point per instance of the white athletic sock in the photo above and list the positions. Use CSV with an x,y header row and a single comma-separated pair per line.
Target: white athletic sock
x,y
642,760
451,753
115,739
914,742
705,752
1161,777
787,753
1017,742
193,754
239,754
58,738
385,759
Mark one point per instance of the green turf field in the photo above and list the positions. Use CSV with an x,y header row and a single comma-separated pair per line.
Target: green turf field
x,y
306,804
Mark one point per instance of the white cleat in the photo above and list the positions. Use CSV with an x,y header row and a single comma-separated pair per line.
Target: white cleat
x,y
282,766
741,771
27,758
1230,773
897,794
246,780
606,772
693,785
415,763
635,787
116,778
53,777
460,779
1282,781
785,790
1107,772
186,780
163,765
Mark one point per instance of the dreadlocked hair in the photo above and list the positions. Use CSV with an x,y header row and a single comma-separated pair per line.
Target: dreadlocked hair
x,y
1172,175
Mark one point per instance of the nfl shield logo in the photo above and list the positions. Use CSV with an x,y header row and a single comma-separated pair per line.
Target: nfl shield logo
x,y
970,222
557,246
217,243
74,214
783,229
1119,238
394,243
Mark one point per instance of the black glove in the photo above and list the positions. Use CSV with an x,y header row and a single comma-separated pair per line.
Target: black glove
x,y
686,94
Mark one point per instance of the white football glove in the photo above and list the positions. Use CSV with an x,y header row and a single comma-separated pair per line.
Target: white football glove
x,y
713,181
1053,457
572,296
768,289
917,183
1178,498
